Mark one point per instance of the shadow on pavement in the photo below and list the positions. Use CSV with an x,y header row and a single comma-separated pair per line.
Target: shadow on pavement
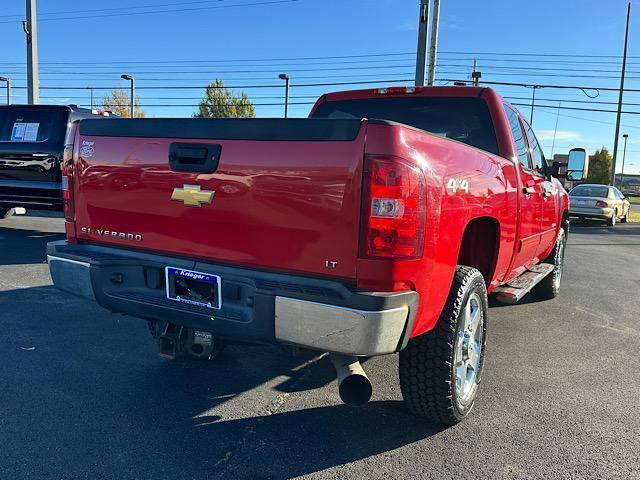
x,y
595,226
20,246
84,394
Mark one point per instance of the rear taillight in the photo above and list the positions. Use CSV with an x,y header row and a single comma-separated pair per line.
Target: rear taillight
x,y
601,204
394,208
67,183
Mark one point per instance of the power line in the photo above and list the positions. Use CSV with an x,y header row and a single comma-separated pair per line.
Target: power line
x,y
325,57
530,54
177,10
202,87
279,104
130,7
330,67
602,122
577,108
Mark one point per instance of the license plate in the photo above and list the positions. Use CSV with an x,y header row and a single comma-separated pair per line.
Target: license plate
x,y
194,288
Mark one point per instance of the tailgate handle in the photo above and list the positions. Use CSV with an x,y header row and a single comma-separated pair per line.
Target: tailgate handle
x,y
194,157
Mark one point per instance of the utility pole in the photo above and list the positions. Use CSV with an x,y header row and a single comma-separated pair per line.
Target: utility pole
x,y
31,30
423,33
433,44
624,154
533,104
619,115
555,130
476,75
8,81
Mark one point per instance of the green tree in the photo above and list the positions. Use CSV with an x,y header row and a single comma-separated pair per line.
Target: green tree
x,y
600,167
119,103
220,102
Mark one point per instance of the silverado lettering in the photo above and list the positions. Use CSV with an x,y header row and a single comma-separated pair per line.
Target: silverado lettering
x,y
108,233
379,225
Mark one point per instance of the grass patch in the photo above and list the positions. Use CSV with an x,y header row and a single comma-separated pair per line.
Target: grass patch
x,y
634,217
634,199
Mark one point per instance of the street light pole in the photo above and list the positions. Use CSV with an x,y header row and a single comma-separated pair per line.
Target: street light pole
x,y
624,154
285,77
8,81
132,80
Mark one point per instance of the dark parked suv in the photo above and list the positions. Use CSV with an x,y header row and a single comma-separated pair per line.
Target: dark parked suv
x,y
31,147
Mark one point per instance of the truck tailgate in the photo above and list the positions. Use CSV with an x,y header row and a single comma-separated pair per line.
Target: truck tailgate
x,y
285,194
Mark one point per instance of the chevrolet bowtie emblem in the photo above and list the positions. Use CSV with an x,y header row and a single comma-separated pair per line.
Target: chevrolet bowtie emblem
x,y
192,196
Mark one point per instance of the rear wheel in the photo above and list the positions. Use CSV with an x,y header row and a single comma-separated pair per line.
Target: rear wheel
x,y
440,370
549,287
614,218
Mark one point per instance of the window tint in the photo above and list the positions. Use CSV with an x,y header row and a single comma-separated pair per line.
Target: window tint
x,y
466,120
600,191
519,139
25,125
618,193
536,151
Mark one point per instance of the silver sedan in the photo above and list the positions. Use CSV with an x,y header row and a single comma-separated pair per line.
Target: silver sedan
x,y
600,202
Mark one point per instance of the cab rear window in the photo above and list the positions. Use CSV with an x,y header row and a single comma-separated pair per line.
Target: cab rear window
x,y
590,191
39,126
464,119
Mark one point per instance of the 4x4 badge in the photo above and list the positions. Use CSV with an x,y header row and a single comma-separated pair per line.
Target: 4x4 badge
x,y
192,196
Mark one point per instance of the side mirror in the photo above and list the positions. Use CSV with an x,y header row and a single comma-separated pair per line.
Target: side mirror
x,y
577,165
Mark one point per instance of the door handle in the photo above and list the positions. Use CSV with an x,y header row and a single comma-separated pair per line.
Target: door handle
x,y
194,157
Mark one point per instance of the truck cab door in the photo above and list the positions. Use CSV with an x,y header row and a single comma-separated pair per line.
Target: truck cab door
x,y
548,196
528,241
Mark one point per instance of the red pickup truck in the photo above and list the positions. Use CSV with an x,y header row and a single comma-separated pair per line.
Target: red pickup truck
x,y
376,226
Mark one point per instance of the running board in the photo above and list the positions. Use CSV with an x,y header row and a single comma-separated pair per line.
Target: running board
x,y
513,291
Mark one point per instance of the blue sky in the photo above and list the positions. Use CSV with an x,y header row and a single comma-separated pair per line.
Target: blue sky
x,y
248,42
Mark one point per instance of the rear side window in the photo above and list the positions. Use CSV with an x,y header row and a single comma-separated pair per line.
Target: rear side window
x,y
35,126
536,151
465,119
519,139
590,191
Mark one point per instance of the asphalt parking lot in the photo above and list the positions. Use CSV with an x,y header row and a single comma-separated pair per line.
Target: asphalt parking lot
x,y
84,394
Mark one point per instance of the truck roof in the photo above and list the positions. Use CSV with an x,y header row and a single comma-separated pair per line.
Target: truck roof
x,y
72,107
455,91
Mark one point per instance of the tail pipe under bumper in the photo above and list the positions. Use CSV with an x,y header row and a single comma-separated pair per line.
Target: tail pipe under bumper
x,y
354,386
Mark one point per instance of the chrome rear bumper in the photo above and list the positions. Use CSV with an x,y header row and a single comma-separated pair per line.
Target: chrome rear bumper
x,y
339,329
255,308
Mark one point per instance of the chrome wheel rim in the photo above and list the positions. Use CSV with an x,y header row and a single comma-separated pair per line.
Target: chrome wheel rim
x,y
468,352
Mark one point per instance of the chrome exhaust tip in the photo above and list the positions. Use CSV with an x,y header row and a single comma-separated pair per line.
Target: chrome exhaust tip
x,y
354,386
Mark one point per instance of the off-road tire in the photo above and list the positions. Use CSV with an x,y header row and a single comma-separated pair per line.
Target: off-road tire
x,y
549,287
426,365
